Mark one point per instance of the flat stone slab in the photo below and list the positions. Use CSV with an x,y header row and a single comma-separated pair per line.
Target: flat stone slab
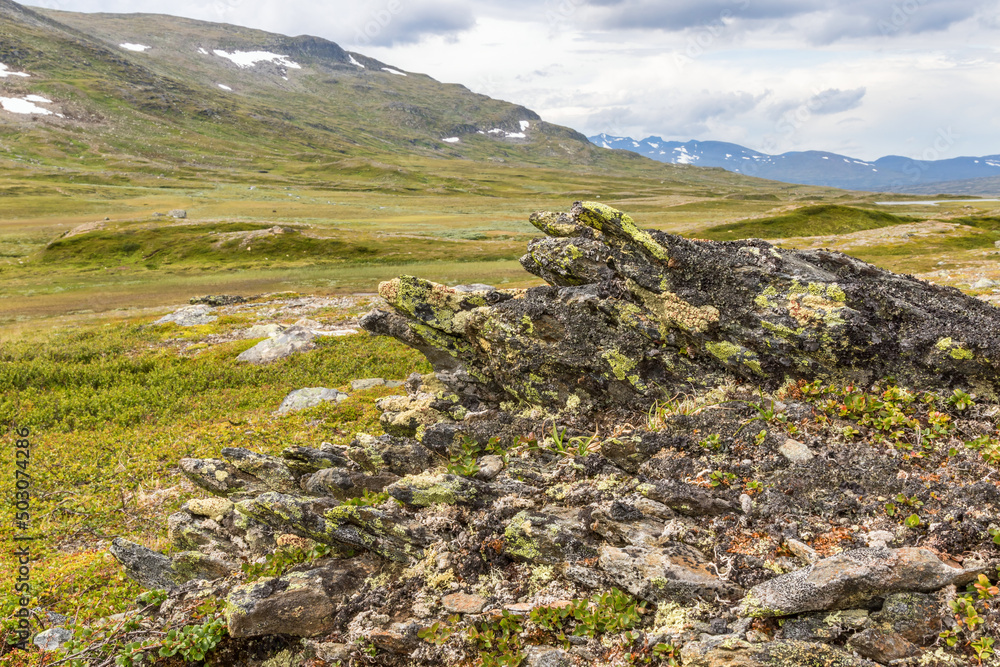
x,y
795,451
676,571
310,397
189,316
287,343
851,580
368,383
52,639
463,603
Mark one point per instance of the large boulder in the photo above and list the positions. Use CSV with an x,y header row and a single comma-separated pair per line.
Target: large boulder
x,y
853,579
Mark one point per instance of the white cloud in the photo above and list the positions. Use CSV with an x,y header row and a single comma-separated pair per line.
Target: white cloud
x,y
772,74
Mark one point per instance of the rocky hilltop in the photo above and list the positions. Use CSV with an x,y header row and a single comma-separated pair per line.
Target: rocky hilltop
x,y
678,452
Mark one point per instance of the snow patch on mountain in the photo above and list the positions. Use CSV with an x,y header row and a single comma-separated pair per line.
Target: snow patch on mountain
x,y
393,71
451,140
248,59
5,72
224,86
140,48
22,105
354,61
525,125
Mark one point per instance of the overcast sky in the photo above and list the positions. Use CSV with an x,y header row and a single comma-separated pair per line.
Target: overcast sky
x,y
865,78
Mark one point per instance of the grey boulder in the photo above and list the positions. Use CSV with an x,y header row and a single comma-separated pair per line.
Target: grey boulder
x,y
290,341
300,399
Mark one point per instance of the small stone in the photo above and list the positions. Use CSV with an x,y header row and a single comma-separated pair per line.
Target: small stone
x,y
307,323
520,608
795,451
489,467
746,503
547,656
214,508
803,551
879,538
882,647
52,639
178,213
369,383
463,603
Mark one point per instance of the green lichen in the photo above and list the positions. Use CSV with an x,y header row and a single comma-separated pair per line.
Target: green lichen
x,y
517,535
620,364
834,292
960,353
944,344
672,312
429,488
615,223
574,252
723,350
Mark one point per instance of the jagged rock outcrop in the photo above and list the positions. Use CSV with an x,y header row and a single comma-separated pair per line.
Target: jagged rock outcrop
x,y
636,439
632,315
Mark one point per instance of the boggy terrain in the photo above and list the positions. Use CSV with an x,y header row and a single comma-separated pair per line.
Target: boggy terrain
x,y
677,452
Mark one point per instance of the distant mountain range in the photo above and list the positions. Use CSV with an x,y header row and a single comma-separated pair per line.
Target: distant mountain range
x,y
978,175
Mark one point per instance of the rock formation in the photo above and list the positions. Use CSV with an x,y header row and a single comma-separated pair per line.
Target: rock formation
x,y
680,451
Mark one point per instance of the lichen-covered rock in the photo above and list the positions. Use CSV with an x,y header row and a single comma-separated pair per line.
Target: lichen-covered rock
x,y
852,579
345,484
668,574
221,478
153,570
343,525
540,537
393,455
300,604
272,471
630,310
432,488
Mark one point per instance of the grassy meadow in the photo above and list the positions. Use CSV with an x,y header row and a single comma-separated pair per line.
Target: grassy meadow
x,y
113,403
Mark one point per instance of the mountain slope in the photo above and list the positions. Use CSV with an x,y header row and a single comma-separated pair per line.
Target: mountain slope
x,y
160,96
887,174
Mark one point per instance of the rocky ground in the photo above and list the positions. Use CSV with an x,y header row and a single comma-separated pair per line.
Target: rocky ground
x,y
678,452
